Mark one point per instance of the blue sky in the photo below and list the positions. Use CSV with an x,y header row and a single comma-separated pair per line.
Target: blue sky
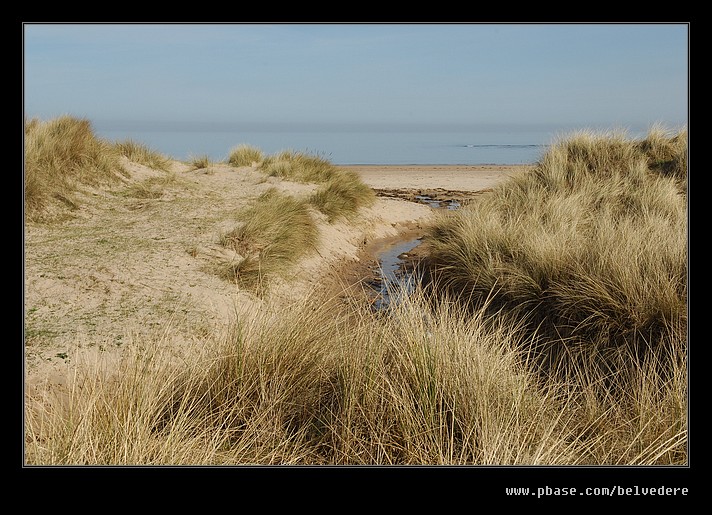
x,y
611,75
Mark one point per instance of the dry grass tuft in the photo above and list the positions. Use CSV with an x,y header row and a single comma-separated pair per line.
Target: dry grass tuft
x,y
143,154
342,196
200,162
61,156
299,167
245,155
274,233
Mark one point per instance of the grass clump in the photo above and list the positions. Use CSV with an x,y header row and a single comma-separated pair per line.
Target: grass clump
x,y
342,196
143,154
589,248
61,156
275,232
200,162
666,153
299,167
245,155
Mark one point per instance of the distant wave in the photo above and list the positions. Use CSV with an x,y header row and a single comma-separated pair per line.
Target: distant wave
x,y
503,146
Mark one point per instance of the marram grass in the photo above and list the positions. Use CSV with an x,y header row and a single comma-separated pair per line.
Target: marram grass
x,y
341,193
342,196
245,155
310,384
143,154
273,234
299,167
278,230
63,155
589,248
200,162
579,265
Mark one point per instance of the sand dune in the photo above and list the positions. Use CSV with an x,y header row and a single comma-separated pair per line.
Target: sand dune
x,y
126,266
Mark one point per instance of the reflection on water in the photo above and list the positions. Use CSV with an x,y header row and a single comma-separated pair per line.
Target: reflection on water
x,y
448,204
393,280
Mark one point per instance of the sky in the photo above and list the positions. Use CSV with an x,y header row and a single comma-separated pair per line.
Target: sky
x,y
339,75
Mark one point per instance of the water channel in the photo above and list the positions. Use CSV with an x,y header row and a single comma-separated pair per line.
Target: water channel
x,y
392,278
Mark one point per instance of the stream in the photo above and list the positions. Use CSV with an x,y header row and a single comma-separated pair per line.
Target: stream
x,y
392,279
438,204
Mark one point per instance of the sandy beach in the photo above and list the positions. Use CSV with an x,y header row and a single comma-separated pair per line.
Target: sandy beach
x,y
470,178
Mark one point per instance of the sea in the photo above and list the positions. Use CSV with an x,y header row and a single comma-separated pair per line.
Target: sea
x,y
348,147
